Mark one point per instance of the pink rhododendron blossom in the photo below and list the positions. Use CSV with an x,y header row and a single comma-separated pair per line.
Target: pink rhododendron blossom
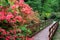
x,y
1,30
15,13
13,21
24,21
25,5
21,4
6,39
18,18
2,13
21,1
8,33
14,31
25,10
14,6
16,2
9,17
11,31
9,13
2,17
27,38
4,33
0,6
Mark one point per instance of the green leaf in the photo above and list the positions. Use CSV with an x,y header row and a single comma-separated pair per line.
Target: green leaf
x,y
4,2
11,3
29,31
19,34
4,21
18,39
23,28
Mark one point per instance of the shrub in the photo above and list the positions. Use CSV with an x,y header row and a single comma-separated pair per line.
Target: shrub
x,y
14,15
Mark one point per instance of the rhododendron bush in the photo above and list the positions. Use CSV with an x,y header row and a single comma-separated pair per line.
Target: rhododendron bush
x,y
15,15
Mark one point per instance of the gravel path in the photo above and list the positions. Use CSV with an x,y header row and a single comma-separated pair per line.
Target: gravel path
x,y
43,35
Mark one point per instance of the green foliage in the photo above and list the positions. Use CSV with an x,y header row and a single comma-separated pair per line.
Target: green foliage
x,y
45,16
55,15
4,2
51,6
45,5
36,5
48,15
5,21
18,39
25,31
45,8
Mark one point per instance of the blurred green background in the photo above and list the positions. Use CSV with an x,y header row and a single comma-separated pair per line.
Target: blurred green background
x,y
47,9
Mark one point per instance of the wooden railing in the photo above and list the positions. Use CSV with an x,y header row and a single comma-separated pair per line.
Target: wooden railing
x,y
52,30
37,25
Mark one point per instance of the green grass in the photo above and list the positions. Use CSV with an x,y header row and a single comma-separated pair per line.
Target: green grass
x,y
57,34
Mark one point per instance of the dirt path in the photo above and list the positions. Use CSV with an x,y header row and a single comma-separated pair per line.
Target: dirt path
x,y
43,35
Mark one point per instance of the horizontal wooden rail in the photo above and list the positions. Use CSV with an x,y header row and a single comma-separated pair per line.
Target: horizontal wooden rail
x,y
52,30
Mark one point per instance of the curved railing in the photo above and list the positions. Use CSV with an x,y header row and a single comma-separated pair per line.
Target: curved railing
x,y
52,29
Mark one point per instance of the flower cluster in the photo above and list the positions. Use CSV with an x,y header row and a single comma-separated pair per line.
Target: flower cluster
x,y
9,35
9,17
12,17
25,8
19,7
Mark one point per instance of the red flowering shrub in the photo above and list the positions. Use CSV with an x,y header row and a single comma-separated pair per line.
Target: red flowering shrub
x,y
9,35
13,18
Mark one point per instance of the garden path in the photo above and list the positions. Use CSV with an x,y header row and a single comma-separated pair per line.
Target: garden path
x,y
43,35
